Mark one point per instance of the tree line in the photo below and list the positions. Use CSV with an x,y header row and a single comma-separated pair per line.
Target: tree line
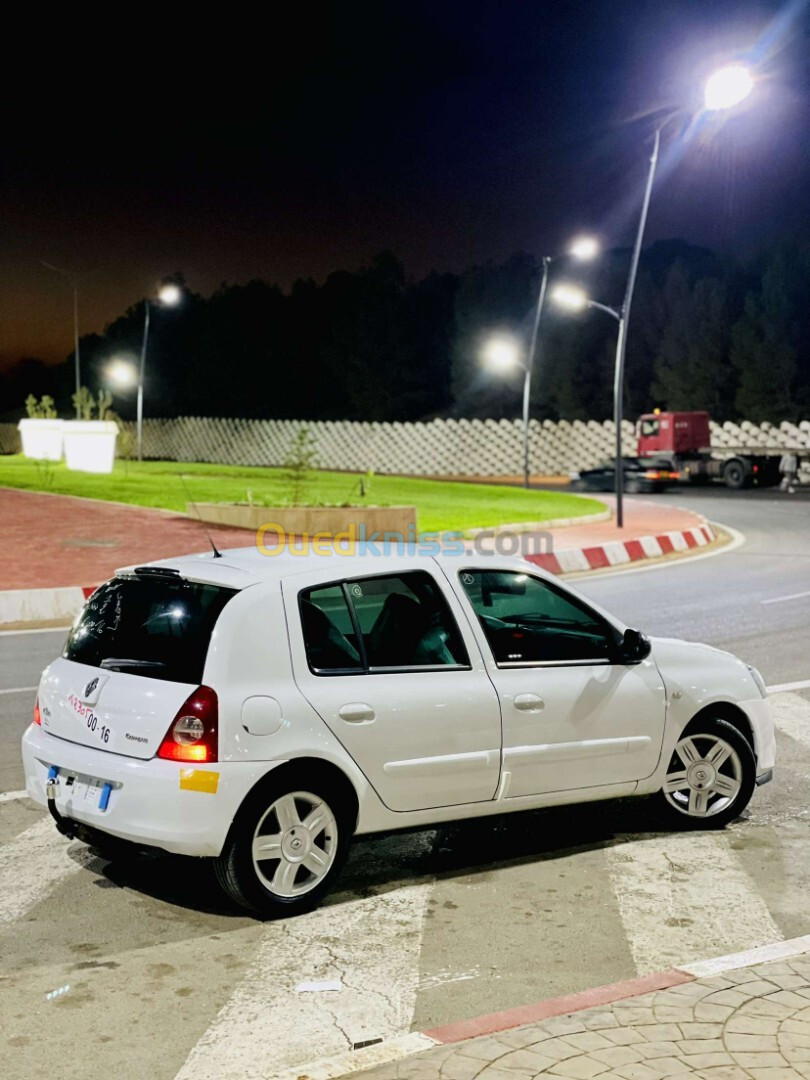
x,y
707,332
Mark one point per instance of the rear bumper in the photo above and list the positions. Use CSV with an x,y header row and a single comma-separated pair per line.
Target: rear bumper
x,y
146,803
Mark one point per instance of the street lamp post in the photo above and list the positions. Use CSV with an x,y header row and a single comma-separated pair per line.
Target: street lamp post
x,y
74,281
169,295
502,353
724,89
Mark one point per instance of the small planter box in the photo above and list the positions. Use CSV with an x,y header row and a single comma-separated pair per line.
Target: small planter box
x,y
308,520
41,439
90,445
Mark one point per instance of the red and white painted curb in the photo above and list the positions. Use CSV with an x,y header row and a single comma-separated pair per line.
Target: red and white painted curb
x,y
20,606
623,552
391,1050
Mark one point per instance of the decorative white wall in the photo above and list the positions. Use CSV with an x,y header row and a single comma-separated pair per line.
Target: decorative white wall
x,y
435,448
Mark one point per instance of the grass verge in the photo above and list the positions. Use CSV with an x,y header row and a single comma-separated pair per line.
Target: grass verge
x,y
442,504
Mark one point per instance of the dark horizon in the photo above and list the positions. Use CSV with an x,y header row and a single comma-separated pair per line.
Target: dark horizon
x,y
449,135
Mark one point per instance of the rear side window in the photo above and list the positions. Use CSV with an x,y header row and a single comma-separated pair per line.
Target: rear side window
x,y
378,624
158,627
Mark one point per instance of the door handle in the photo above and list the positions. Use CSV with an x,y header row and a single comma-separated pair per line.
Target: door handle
x,y
529,703
356,713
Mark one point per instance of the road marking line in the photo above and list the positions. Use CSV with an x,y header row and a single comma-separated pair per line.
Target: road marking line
x,y
782,688
686,895
784,599
20,690
32,865
11,796
792,717
266,1030
384,1053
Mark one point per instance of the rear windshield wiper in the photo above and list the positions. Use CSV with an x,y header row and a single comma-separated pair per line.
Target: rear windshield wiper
x,y
115,663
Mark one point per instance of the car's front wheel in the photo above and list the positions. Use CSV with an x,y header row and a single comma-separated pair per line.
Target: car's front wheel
x,y
711,776
285,849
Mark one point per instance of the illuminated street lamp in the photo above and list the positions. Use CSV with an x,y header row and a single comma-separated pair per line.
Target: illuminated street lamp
x,y
122,373
727,87
724,89
169,295
502,353
582,248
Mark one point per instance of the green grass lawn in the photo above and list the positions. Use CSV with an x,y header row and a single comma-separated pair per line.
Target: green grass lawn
x,y
441,504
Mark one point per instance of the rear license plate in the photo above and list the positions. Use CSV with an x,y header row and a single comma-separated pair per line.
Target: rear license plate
x,y
89,791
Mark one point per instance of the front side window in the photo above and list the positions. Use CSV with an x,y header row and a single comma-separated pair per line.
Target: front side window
x,y
527,620
395,621
650,428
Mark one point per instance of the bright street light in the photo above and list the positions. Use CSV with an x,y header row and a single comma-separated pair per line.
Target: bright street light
x,y
170,294
584,248
501,354
122,373
570,296
728,87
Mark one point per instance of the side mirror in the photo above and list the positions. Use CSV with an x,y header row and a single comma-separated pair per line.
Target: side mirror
x,y
634,647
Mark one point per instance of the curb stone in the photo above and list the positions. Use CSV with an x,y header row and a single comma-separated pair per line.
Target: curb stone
x,y
403,1046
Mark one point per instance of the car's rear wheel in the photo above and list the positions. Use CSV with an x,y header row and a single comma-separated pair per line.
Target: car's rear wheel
x,y
711,776
285,849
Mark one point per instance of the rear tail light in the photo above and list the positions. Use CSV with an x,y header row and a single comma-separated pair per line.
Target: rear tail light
x,y
37,713
652,474
192,736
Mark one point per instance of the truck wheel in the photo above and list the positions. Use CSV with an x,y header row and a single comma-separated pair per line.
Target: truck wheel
x,y
734,474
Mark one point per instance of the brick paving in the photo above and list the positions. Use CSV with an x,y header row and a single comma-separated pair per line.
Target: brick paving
x,y
751,1024
55,540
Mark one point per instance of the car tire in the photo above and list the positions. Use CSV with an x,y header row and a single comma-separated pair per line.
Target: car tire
x,y
301,861
710,777
633,487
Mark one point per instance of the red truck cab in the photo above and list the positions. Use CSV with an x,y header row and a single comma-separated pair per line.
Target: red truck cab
x,y
673,433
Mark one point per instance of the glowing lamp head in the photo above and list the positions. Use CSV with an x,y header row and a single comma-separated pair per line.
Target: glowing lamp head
x,y
501,354
122,373
170,295
728,87
571,297
584,248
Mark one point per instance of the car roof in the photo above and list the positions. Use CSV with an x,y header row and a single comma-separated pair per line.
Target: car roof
x,y
239,568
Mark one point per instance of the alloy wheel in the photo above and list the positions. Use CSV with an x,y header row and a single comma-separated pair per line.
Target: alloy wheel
x,y
705,776
295,844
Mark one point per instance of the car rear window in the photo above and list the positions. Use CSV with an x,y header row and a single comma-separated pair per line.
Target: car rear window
x,y
163,623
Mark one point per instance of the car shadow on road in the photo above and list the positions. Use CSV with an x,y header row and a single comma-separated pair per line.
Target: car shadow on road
x,y
381,863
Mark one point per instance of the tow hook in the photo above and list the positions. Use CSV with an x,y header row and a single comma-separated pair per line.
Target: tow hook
x,y
65,827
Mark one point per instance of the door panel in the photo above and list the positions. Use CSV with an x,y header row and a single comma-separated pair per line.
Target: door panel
x,y
599,724
423,737
573,717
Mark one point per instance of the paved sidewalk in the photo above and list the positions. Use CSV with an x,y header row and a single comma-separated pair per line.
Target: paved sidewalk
x,y
51,541
747,1024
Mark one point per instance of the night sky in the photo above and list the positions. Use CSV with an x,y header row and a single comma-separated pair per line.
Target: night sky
x,y
277,146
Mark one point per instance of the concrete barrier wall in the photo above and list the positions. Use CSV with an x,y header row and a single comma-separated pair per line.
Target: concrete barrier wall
x,y
437,447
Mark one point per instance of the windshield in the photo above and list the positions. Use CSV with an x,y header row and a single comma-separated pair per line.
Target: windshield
x,y
161,625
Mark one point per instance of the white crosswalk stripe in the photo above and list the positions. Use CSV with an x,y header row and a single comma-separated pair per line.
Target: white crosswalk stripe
x,y
33,864
371,945
684,897
791,713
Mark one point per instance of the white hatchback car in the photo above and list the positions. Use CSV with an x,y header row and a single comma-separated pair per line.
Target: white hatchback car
x,y
263,710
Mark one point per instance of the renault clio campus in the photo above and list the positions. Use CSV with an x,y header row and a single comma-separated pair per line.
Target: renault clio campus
x,y
261,711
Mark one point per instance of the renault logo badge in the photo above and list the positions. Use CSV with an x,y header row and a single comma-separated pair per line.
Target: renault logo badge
x,y
88,690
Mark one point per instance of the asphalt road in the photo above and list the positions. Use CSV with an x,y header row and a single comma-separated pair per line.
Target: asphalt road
x,y
166,979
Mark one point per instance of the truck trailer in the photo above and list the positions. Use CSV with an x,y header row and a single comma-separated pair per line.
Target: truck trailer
x,y
681,443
